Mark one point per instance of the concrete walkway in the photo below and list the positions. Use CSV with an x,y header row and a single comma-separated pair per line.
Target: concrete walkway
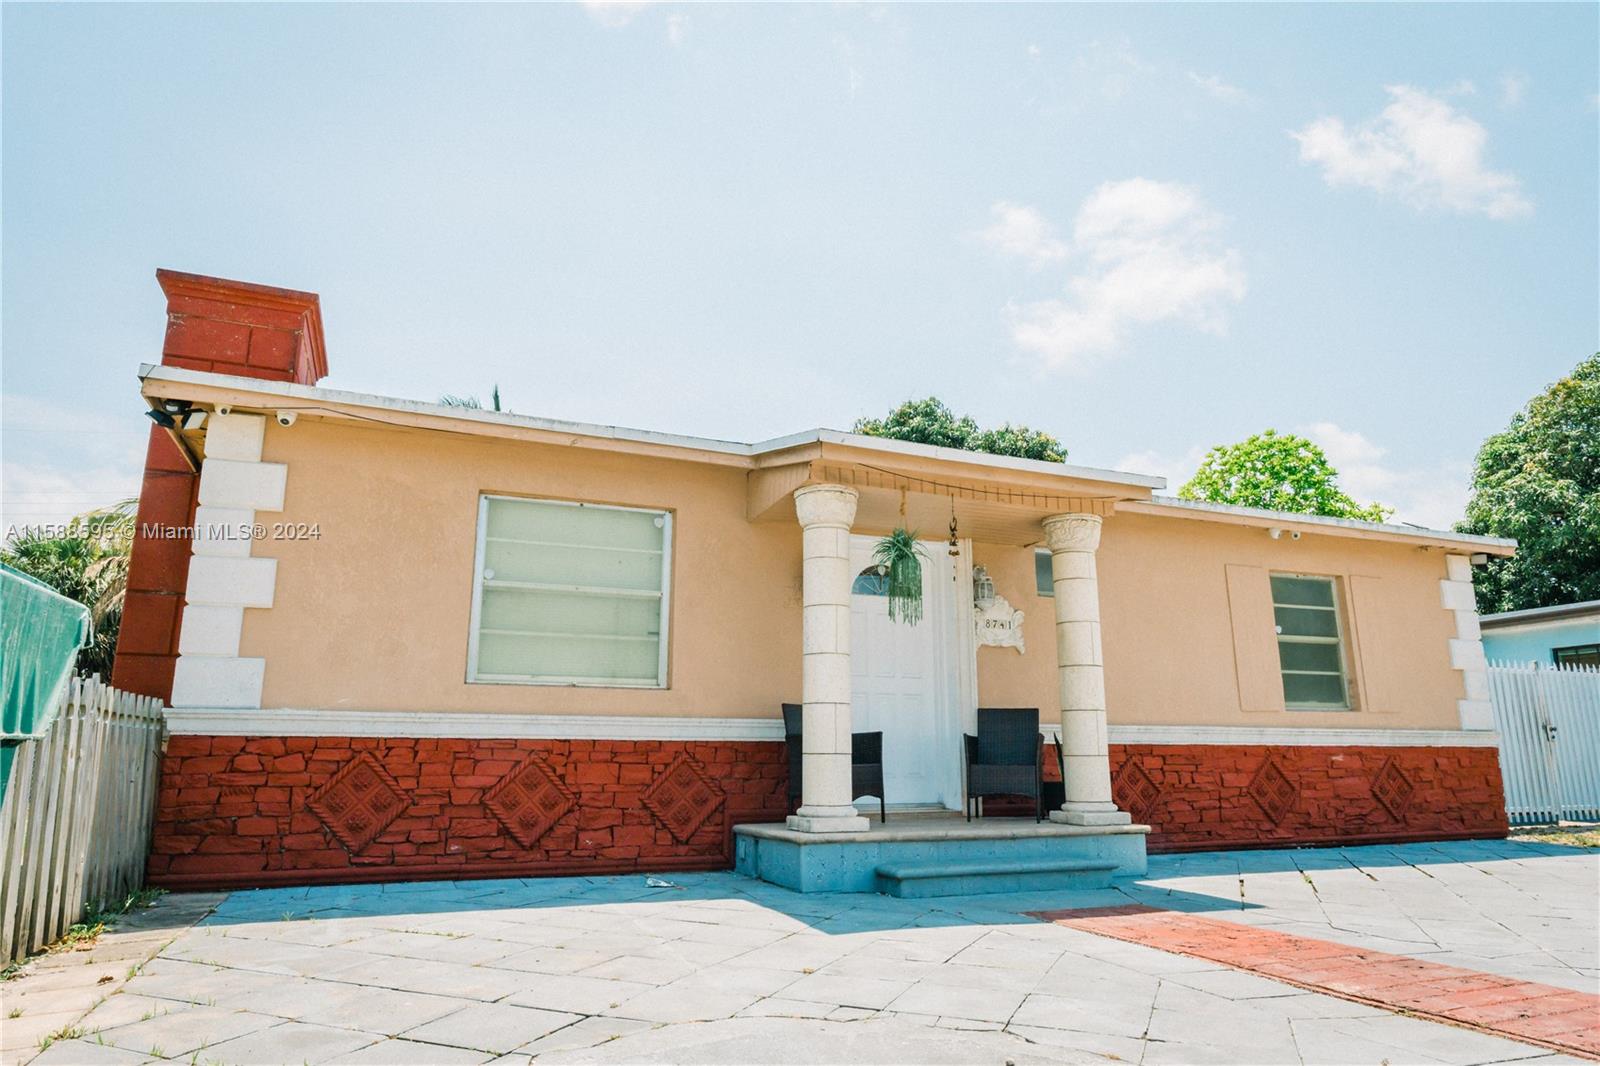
x,y
723,969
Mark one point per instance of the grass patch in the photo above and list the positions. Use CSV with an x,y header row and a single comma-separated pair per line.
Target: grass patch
x,y
1573,836
84,933
66,1032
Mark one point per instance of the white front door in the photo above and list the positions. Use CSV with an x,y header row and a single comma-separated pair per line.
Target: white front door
x,y
900,681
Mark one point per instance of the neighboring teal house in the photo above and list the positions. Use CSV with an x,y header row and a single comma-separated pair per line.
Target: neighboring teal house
x,y
1565,635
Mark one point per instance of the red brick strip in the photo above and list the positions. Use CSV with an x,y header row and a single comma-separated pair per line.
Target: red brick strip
x,y
1556,1018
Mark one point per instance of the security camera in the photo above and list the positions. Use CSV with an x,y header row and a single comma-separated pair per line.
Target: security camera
x,y
1294,534
224,409
286,418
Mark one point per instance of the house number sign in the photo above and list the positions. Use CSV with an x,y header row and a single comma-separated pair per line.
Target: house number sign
x,y
1000,625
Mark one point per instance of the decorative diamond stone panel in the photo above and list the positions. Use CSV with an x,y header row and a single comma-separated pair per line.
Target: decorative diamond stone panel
x,y
529,800
1392,788
358,802
1135,790
1272,790
682,798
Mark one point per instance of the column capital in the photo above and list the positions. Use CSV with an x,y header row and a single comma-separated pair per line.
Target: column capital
x,y
1072,532
825,505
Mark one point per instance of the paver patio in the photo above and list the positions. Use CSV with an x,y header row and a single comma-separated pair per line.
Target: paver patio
x,y
724,969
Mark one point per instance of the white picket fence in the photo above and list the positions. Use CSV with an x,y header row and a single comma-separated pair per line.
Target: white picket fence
x,y
75,820
1549,723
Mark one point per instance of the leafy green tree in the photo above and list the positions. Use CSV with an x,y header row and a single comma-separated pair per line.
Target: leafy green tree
x,y
1278,472
1539,481
88,562
929,421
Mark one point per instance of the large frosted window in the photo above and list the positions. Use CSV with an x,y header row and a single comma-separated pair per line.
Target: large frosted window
x,y
570,594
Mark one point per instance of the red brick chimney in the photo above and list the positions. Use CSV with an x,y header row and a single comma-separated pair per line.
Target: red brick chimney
x,y
225,327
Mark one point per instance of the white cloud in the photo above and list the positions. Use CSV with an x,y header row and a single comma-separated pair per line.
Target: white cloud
x,y
615,14
1112,67
1023,231
1175,468
61,460
1217,89
1432,496
1513,90
1144,251
1419,148
677,28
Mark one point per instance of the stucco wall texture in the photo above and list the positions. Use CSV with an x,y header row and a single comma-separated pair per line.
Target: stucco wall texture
x,y
374,613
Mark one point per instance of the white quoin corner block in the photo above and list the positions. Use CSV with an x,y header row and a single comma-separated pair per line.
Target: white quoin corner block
x,y
217,681
227,582
222,531
210,630
235,437
1475,714
248,486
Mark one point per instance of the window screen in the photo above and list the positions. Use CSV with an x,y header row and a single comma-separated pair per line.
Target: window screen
x,y
571,593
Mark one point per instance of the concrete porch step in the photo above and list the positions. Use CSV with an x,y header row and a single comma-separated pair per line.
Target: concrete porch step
x,y
920,881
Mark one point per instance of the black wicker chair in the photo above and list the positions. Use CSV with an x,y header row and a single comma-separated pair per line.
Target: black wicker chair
x,y
866,761
1005,758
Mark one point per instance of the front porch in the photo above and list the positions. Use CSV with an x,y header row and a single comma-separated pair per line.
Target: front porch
x,y
827,845
941,853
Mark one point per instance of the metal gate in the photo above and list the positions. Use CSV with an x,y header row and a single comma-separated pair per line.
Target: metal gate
x,y
1549,723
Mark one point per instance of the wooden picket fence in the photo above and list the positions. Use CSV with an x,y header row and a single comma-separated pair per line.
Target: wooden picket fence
x,y
75,820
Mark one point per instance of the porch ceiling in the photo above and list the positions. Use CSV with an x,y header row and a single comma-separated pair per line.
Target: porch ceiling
x,y
992,507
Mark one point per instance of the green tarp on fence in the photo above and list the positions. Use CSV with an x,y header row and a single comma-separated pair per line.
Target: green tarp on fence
x,y
40,634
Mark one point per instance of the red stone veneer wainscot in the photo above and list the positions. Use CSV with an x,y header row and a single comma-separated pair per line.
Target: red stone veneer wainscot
x,y
246,811
1209,796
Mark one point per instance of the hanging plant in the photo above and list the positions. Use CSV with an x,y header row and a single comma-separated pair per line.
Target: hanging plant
x,y
899,560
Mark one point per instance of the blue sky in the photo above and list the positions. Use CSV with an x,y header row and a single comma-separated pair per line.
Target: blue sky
x,y
1147,230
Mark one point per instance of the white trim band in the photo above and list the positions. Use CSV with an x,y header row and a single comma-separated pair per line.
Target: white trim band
x,y
1293,736
298,722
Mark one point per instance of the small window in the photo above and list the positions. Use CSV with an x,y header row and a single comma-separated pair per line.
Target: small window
x,y
872,581
1044,580
570,594
1310,643
1577,655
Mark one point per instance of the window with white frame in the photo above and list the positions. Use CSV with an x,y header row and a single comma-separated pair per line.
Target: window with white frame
x,y
1310,642
570,594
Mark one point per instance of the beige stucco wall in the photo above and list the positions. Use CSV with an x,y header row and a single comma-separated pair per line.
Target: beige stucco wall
x,y
1167,628
374,614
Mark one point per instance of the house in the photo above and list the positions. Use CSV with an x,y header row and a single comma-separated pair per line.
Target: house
x,y
1563,635
406,640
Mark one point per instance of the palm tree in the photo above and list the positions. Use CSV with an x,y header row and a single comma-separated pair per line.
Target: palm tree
x,y
87,562
472,401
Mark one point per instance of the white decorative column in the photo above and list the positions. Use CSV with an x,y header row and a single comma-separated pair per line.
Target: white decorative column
x,y
1466,647
826,804
1072,539
223,577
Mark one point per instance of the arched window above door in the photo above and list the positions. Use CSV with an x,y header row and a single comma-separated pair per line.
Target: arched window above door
x,y
870,582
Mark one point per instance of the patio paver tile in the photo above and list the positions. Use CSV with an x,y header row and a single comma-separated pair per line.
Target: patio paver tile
x,y
574,994
288,1042
491,1027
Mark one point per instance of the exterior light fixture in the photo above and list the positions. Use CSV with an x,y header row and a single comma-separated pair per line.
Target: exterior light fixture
x,y
982,588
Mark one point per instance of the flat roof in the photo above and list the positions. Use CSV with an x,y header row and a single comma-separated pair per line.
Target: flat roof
x,y
1259,516
307,397
1541,614
281,395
